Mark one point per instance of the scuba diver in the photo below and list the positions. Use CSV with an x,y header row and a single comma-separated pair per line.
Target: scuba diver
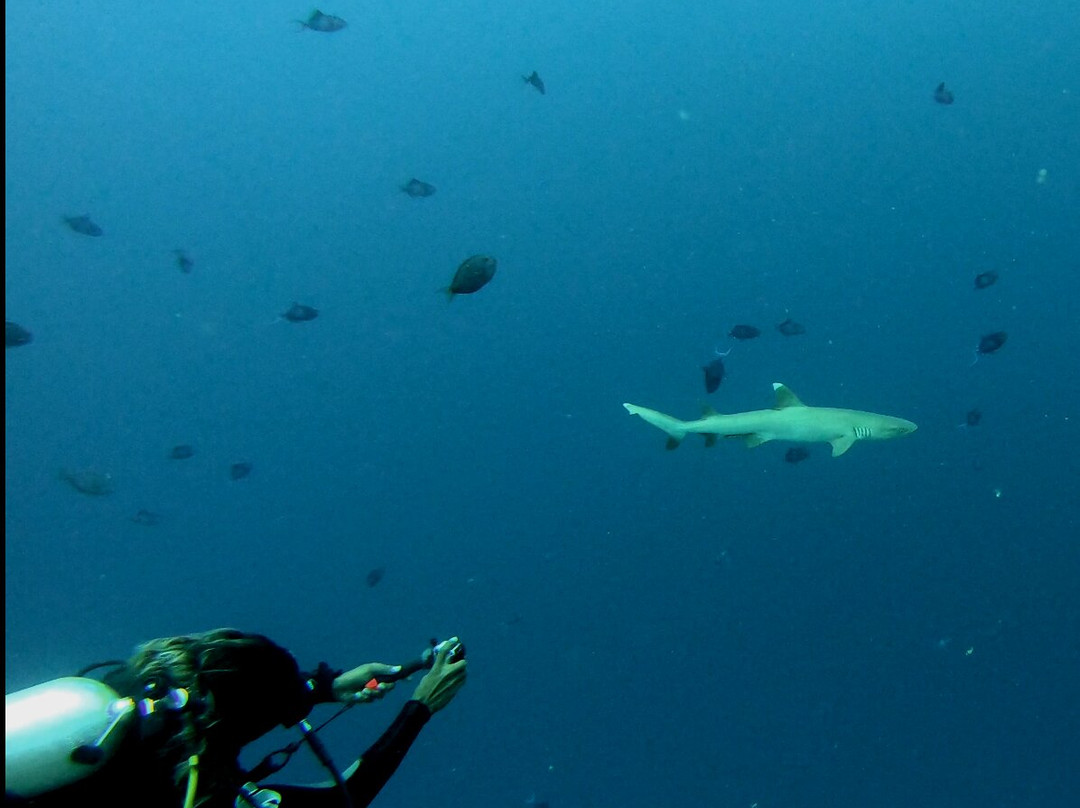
x,y
165,728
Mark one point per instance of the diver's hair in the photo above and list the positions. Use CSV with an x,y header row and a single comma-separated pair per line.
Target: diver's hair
x,y
180,662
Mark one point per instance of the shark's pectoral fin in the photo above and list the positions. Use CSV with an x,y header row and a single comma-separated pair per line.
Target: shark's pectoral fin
x,y
842,444
755,440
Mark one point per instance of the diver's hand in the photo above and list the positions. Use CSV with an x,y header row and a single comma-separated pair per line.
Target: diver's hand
x,y
352,686
444,680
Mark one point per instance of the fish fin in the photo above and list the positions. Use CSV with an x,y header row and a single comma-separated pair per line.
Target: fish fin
x,y
675,429
672,443
710,439
707,411
785,398
754,440
842,444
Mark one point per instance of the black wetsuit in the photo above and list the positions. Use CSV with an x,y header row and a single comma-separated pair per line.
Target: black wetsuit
x,y
254,688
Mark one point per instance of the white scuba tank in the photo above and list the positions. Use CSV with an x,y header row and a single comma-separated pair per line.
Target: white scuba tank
x,y
60,731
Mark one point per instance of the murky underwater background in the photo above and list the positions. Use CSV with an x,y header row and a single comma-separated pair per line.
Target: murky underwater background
x,y
897,626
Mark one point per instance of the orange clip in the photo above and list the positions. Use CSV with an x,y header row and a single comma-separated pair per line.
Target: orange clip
x,y
372,684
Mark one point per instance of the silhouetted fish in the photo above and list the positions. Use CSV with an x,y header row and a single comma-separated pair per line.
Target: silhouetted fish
x,y
744,332
984,279
714,374
415,188
82,224
973,418
299,313
182,452
991,342
91,483
375,576
943,95
238,471
327,23
473,275
15,335
796,454
184,262
790,328
535,80
146,518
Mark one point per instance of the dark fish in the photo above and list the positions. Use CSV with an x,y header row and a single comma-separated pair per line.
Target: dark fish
x,y
375,576
299,313
535,80
796,454
985,279
943,95
88,482
790,328
472,276
991,342
973,418
238,471
714,374
182,452
327,23
415,188
82,224
147,518
744,332
15,335
183,260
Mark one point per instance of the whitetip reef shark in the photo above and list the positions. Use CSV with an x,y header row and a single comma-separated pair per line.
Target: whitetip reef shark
x,y
789,420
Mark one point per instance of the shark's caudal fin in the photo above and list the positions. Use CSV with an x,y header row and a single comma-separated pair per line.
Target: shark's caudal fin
x,y
675,429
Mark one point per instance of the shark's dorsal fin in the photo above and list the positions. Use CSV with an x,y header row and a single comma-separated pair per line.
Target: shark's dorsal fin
x,y
785,398
707,411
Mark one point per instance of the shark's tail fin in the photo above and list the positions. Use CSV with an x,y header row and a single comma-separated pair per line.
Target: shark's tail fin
x,y
675,429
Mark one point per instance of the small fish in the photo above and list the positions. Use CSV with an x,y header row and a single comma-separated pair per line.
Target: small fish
x,y
943,95
990,343
327,23
985,279
744,332
182,452
473,275
15,335
790,328
418,188
91,483
375,576
973,417
146,518
714,374
238,471
535,80
184,262
299,313
796,454
82,224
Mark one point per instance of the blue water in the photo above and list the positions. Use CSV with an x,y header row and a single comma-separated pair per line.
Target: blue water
x,y
898,626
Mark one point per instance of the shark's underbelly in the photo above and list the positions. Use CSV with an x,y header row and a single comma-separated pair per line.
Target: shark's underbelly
x,y
776,425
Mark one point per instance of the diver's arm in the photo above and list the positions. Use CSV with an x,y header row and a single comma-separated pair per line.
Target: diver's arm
x,y
366,777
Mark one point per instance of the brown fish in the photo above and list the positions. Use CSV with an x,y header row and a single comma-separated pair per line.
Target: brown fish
x,y
535,80
326,23
473,275
89,482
